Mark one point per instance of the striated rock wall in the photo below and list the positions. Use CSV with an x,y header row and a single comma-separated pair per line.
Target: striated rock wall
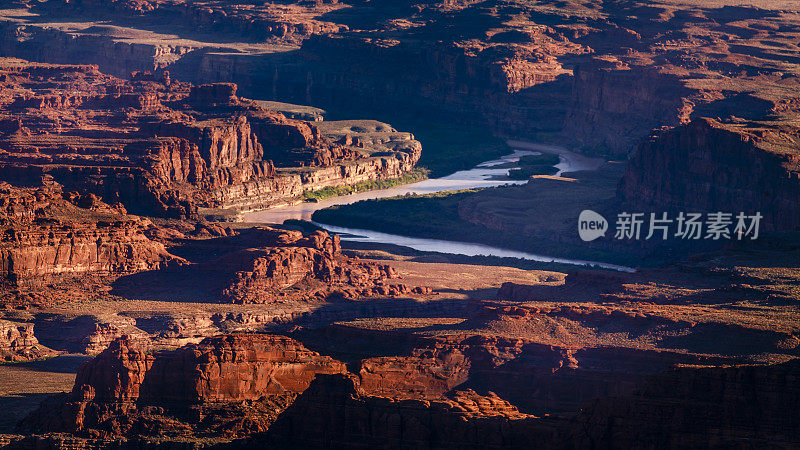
x,y
303,268
334,411
706,166
223,386
166,148
685,408
614,105
513,81
45,235
17,342
88,334
598,78
514,88
701,408
252,22
428,373
234,368
272,392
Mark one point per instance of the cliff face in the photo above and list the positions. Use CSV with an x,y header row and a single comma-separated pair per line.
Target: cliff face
x,y
222,386
334,410
517,88
707,166
235,368
303,268
701,408
612,104
599,78
456,374
46,235
17,342
251,22
689,407
166,148
496,77
428,373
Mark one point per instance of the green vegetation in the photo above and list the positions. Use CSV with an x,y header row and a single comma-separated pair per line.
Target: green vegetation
x,y
413,176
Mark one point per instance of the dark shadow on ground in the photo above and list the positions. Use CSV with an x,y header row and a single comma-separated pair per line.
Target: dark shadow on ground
x,y
15,408
68,363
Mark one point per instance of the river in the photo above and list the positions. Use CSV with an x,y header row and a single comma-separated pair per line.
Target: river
x,y
484,175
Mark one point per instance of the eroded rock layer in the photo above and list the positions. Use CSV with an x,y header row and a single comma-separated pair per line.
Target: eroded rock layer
x,y
47,232
18,343
691,354
228,386
706,166
600,74
264,265
166,148
689,407
303,267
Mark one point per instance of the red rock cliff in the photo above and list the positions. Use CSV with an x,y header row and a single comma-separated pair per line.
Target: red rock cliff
x,y
223,386
707,166
45,234
166,148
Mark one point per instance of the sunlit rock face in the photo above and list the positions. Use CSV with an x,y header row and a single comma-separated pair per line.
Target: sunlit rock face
x,y
165,148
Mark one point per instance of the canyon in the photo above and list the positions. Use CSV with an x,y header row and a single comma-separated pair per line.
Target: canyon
x,y
599,76
139,310
166,148
469,372
483,356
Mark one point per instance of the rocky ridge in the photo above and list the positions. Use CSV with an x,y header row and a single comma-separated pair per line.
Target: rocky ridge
x,y
166,148
17,342
653,415
228,386
47,232
528,367
600,75
597,77
709,166
304,267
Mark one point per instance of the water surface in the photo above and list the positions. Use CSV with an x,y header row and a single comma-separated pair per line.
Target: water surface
x,y
487,174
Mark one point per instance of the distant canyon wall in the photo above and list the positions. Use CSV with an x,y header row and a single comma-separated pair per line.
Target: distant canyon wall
x,y
706,166
601,105
513,96
598,106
